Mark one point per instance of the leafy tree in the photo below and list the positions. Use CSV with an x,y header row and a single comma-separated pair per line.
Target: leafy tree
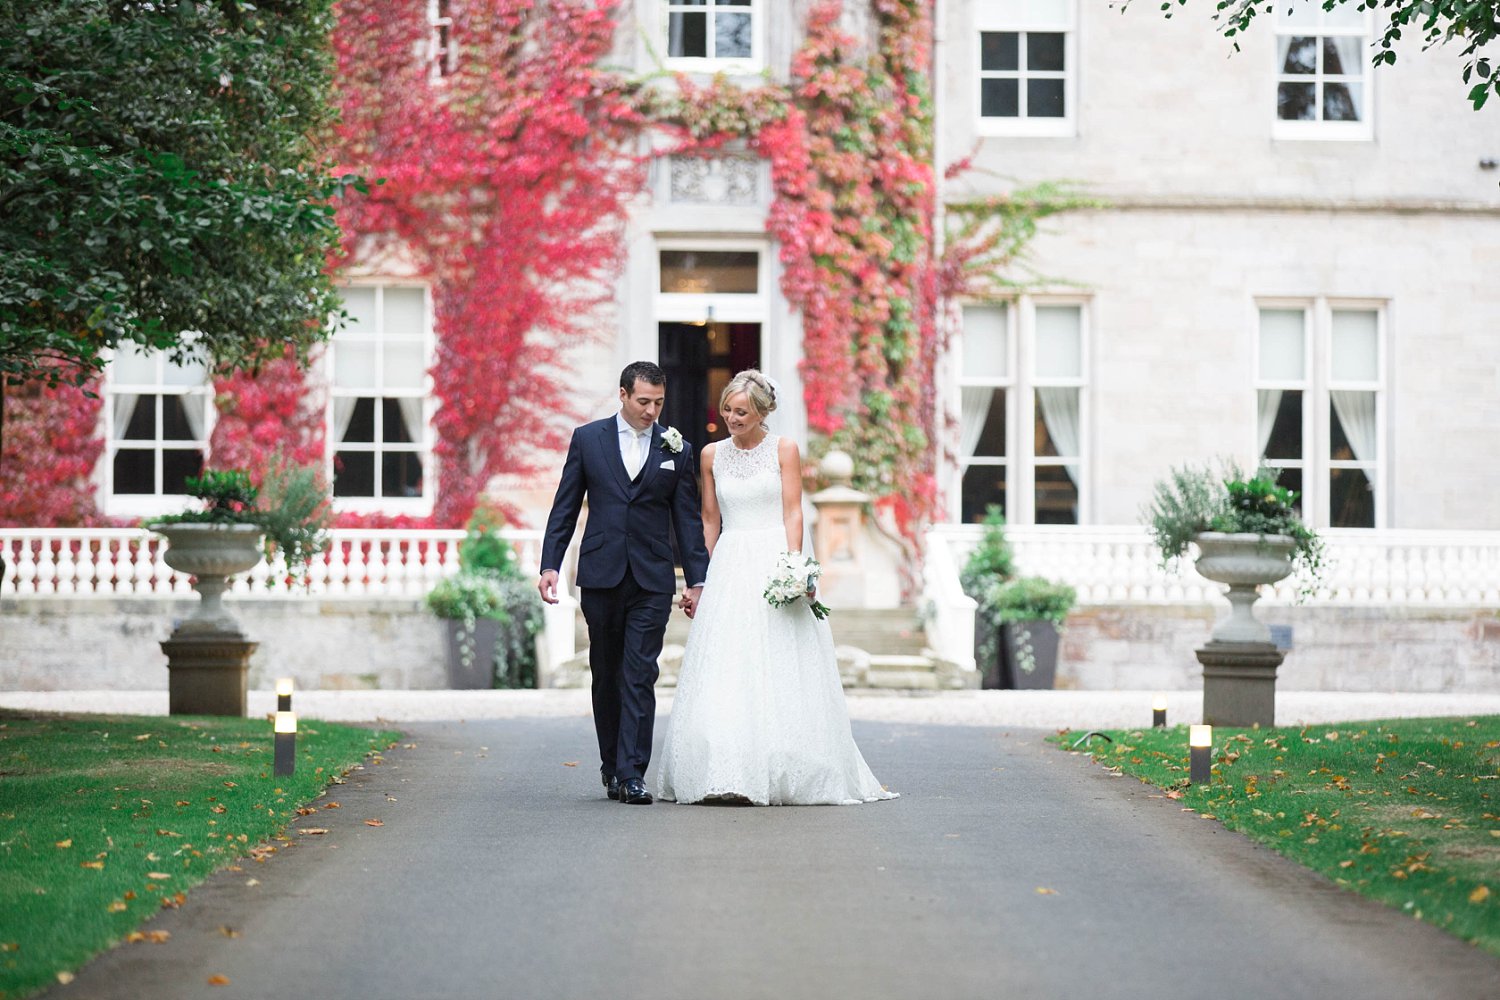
x,y
1475,23
160,173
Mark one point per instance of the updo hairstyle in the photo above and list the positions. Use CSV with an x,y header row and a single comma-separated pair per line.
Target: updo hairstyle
x,y
756,387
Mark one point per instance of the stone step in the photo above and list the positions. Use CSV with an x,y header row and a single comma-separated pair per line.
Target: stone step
x,y
882,631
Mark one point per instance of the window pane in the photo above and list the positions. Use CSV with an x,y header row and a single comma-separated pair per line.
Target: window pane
x,y
135,472
1285,437
1344,15
986,342
1342,102
1292,480
1044,51
1300,13
354,474
687,35
191,373
175,425
703,272
991,443
1044,98
1351,499
177,464
1056,495
1281,344
1059,341
405,313
1352,432
142,424
1356,345
1000,98
1296,102
1057,427
132,366
999,50
400,474
361,428
393,429
359,303
404,368
983,485
1299,55
732,36
1342,56
354,364
1040,12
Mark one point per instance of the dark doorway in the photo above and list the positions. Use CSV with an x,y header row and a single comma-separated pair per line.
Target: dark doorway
x,y
700,359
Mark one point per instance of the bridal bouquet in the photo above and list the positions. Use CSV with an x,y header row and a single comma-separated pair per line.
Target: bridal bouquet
x,y
794,577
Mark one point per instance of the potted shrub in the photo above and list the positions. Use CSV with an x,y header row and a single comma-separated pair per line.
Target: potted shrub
x,y
990,563
493,615
1247,532
1028,613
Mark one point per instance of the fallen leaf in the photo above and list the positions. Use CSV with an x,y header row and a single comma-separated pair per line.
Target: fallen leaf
x,y
1346,864
218,980
1480,895
143,736
374,822
252,881
570,763
157,875
65,977
129,893
1045,892
228,932
99,865
183,802
134,937
158,937
333,805
69,841
305,810
116,907
313,830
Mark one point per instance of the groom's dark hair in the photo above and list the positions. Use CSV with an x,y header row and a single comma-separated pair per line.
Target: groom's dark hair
x,y
645,371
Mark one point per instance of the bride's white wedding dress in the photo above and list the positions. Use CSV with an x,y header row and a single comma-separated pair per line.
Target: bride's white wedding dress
x,y
759,711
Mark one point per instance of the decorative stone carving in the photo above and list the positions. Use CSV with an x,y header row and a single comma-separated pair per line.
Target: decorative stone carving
x,y
720,180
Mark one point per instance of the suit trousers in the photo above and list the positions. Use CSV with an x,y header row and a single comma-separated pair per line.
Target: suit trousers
x,y
626,625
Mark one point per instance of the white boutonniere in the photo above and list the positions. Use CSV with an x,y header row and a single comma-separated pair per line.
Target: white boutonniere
x,y
671,440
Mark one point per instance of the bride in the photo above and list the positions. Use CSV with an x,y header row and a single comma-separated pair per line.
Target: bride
x,y
759,713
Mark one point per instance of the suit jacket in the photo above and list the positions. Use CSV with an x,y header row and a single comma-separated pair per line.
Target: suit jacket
x,y
628,522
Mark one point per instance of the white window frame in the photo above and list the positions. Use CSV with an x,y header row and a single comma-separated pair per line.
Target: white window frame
x,y
149,504
419,506
723,307
1021,460
1315,385
442,61
1008,384
1320,130
738,65
992,17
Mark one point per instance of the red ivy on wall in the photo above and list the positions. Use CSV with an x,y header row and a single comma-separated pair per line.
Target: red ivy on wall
x,y
52,444
263,412
508,182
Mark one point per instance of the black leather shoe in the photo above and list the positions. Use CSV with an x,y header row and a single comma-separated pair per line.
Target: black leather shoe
x,y
633,792
611,785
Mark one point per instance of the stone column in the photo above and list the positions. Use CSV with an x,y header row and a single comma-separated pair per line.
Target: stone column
x,y
1239,683
838,534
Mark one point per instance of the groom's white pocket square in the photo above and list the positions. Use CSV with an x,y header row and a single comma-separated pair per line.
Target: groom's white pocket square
x,y
669,464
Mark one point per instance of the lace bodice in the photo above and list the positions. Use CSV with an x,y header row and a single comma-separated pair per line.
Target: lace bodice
x,y
748,483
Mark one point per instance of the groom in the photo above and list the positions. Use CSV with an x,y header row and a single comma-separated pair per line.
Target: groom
x,y
640,482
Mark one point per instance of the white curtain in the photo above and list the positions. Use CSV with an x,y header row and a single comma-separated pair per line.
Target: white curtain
x,y
1060,413
123,410
976,410
411,416
1356,412
192,412
1269,401
343,412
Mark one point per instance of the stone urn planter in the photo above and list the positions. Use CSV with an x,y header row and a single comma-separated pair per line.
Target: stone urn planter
x,y
208,655
1244,562
1240,661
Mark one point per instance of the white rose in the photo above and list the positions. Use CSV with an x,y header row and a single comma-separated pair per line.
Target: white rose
x,y
671,439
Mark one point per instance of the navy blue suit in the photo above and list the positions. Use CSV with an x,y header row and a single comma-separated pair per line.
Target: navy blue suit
x,y
626,577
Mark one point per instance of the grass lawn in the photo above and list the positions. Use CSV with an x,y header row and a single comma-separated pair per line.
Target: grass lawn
x,y
104,820
1406,811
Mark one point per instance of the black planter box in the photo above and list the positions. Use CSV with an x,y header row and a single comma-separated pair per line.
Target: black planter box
x,y
480,671
1043,638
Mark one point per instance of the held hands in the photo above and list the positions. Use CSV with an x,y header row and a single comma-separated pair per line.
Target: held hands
x,y
689,601
547,586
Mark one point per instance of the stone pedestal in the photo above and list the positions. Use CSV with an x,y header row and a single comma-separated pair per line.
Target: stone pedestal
x,y
207,672
1239,683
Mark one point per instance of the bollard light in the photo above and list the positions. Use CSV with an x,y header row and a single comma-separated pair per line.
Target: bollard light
x,y
286,742
1159,710
1201,746
284,694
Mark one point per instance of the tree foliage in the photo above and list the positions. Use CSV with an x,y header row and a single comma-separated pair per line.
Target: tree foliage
x,y
1473,23
159,174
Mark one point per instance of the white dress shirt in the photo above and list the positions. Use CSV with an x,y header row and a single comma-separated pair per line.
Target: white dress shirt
x,y
633,445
